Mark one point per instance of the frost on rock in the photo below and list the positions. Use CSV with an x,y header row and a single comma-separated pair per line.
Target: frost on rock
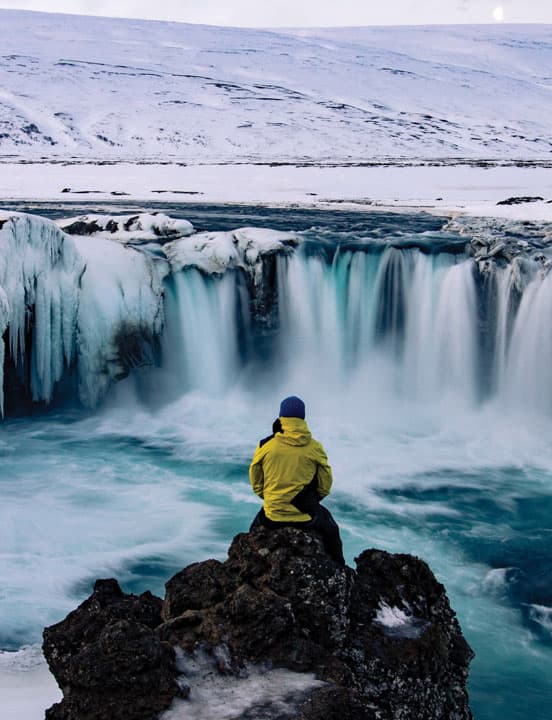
x,y
40,271
498,242
136,229
69,302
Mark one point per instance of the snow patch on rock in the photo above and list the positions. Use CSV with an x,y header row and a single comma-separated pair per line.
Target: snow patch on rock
x,y
260,691
397,622
392,617
137,229
215,252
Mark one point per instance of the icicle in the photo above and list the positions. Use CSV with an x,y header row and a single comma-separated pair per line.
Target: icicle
x,y
120,312
75,298
40,270
4,319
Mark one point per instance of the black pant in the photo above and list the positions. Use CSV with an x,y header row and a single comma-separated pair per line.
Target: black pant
x,y
322,522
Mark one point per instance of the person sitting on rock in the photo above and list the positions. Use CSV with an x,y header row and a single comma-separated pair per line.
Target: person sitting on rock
x,y
291,473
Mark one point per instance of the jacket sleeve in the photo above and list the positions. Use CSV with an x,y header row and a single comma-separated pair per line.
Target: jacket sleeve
x,y
323,472
256,475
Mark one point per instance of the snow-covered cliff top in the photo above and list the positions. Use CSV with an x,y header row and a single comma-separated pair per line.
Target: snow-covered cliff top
x,y
214,252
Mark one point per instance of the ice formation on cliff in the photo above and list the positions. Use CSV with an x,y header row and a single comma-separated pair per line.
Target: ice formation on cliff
x,y
73,300
40,271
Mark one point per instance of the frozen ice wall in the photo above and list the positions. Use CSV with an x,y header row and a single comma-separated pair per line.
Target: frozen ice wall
x,y
120,314
40,271
85,305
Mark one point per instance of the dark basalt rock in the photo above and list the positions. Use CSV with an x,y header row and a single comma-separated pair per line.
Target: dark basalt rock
x,y
81,227
107,659
520,200
384,638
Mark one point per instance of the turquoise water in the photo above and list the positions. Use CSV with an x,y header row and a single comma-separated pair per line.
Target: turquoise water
x,y
138,496
422,464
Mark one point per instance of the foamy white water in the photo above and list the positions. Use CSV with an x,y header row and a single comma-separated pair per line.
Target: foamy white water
x,y
26,685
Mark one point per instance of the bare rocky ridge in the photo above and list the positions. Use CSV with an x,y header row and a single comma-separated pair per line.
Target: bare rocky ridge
x,y
381,642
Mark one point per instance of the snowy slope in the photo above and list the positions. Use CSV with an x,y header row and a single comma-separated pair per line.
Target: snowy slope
x,y
102,88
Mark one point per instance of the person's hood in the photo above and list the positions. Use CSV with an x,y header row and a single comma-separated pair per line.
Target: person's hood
x,y
296,431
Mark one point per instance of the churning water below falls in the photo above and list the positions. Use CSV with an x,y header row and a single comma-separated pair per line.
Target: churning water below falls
x,y
430,388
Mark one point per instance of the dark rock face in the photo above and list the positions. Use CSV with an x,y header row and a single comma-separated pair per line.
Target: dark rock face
x,y
419,660
278,596
384,639
108,660
520,200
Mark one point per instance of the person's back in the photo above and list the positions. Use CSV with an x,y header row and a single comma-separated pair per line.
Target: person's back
x,y
291,473
286,464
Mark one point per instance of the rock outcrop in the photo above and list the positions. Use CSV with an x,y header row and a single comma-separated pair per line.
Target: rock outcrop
x,y
501,242
108,660
278,630
132,229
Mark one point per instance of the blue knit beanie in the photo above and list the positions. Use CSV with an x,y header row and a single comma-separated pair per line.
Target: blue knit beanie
x,y
292,406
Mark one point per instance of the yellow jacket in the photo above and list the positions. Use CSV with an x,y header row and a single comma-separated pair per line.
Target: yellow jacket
x,y
284,465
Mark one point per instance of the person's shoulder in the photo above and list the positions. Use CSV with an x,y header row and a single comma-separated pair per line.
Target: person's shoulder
x,y
317,446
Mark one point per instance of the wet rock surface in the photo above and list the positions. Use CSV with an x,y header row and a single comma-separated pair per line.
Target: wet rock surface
x,y
381,642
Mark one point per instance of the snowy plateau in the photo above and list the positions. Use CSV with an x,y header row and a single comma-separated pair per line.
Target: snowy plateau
x,y
82,87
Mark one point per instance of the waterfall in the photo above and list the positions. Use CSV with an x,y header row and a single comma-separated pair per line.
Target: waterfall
x,y
528,363
350,315
425,327
201,336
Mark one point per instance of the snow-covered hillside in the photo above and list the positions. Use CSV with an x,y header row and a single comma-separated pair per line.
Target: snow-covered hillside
x,y
102,88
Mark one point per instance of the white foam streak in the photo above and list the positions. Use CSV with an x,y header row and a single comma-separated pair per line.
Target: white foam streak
x,y
542,615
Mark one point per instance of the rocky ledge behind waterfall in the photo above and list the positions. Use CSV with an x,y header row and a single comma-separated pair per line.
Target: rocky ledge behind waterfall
x,y
276,631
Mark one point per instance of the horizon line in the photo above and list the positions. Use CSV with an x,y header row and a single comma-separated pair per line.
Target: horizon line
x,y
276,28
